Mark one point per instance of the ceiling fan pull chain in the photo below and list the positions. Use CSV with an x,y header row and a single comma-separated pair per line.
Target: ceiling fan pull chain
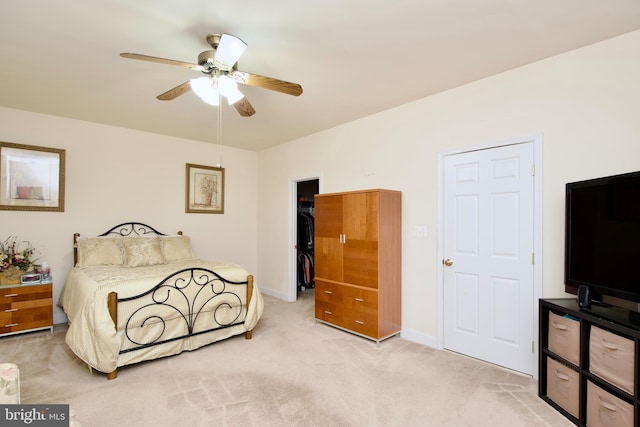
x,y
219,130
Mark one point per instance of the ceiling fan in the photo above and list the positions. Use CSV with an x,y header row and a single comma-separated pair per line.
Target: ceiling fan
x,y
220,75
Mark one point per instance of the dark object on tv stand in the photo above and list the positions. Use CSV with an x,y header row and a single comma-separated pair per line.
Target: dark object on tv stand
x,y
584,297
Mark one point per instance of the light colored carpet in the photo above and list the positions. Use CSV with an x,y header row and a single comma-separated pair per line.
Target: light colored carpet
x,y
294,372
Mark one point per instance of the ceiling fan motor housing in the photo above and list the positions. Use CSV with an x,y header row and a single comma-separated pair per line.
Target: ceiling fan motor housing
x,y
205,59
214,40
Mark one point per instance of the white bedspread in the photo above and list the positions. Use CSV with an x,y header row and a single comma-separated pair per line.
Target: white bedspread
x,y
92,335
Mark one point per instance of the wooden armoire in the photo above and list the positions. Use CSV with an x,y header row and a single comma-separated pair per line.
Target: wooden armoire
x,y
358,241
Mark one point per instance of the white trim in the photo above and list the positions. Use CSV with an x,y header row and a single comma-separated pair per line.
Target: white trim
x,y
536,139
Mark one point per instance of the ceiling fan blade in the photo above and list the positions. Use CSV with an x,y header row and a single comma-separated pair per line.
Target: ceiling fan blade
x,y
228,52
244,107
175,92
161,60
267,83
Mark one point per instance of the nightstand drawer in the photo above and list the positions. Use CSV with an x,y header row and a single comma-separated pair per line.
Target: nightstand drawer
x,y
25,307
24,293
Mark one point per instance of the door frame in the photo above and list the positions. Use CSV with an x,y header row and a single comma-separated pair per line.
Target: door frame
x,y
292,291
536,139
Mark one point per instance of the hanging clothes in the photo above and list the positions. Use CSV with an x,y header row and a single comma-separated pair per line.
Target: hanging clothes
x,y
305,245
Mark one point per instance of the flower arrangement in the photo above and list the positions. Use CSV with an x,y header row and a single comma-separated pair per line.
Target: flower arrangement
x,y
15,254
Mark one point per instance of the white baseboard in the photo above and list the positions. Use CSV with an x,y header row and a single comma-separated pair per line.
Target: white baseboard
x,y
275,294
420,338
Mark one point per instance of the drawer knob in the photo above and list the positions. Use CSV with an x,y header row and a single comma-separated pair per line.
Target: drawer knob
x,y
10,325
359,299
359,322
10,295
327,312
328,292
10,310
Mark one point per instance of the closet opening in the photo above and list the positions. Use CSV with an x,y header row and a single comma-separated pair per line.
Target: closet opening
x,y
305,236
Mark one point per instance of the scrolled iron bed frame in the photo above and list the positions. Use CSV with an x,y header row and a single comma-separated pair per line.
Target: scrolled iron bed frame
x,y
211,286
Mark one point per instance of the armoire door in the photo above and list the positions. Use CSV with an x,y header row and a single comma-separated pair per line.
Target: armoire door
x,y
328,238
360,238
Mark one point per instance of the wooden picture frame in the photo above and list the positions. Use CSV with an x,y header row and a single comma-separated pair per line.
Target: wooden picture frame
x,y
31,178
204,189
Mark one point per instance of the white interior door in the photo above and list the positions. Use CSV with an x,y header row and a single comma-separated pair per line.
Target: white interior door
x,y
488,250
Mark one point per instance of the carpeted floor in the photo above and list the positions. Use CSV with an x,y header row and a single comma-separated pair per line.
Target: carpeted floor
x,y
294,372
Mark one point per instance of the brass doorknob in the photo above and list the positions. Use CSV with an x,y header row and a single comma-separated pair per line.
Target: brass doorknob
x,y
447,262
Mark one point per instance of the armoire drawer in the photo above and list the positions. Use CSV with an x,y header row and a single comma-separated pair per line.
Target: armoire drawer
x,y
329,312
349,297
361,322
358,321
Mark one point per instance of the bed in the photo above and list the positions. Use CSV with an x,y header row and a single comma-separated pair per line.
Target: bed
x,y
136,294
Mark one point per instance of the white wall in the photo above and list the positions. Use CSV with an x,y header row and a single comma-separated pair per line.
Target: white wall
x,y
114,175
584,103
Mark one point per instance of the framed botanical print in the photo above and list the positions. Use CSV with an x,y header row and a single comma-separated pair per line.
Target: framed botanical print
x,y
31,178
204,189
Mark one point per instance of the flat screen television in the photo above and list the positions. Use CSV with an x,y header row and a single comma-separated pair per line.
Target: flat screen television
x,y
602,236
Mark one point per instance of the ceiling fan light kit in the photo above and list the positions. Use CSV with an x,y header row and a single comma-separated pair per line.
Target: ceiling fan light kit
x,y
221,76
210,89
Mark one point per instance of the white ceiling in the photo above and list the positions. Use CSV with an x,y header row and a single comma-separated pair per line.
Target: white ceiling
x,y
353,58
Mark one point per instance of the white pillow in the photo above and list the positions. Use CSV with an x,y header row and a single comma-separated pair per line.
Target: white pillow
x,y
142,251
99,251
176,248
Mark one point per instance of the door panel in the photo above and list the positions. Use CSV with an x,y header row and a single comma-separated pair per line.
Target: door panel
x,y
331,220
360,258
328,258
328,245
360,220
467,294
360,228
488,234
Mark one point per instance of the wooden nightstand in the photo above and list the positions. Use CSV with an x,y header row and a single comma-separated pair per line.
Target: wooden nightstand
x,y
25,308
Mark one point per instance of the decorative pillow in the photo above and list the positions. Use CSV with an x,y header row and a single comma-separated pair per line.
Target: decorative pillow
x,y
142,251
176,248
99,251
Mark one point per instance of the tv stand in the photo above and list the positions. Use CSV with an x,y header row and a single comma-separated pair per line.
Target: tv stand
x,y
589,361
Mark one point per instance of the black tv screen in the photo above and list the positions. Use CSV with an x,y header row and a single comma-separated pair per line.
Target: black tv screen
x,y
602,241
